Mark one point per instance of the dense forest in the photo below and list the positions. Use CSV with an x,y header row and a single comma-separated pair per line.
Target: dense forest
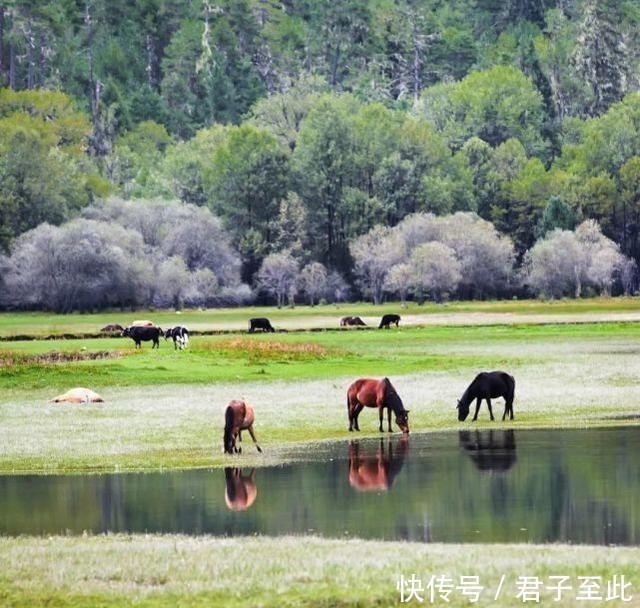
x,y
301,135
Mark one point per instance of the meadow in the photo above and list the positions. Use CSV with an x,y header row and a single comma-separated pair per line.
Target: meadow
x,y
164,409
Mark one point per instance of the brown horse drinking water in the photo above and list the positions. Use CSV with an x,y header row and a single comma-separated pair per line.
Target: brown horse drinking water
x,y
367,392
238,417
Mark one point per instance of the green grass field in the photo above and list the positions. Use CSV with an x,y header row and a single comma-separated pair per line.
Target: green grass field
x,y
165,409
328,316
157,571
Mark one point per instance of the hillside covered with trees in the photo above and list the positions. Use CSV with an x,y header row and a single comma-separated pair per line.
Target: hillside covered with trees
x,y
208,152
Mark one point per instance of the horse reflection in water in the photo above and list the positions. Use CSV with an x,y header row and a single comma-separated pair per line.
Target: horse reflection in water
x,y
240,490
376,473
491,451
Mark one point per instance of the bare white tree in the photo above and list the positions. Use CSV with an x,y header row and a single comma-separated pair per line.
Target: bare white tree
x,y
172,283
399,280
83,265
374,254
435,270
564,262
337,288
313,281
555,265
486,257
628,275
174,228
278,275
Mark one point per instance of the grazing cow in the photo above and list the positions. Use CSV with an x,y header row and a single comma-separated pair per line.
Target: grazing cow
x,y
140,334
78,395
260,323
180,336
387,320
112,328
351,321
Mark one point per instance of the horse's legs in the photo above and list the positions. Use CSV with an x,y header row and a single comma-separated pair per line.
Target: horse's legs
x,y
389,418
356,413
381,415
475,417
490,409
351,408
250,429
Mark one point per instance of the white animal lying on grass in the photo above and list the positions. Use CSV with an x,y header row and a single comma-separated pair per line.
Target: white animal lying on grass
x,y
78,395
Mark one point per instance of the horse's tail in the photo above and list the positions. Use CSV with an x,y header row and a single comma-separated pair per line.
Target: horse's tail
x,y
228,427
511,382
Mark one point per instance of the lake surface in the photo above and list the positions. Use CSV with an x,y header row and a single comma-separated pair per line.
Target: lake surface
x,y
578,486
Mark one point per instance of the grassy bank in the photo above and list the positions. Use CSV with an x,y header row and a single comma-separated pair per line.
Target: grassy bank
x,y
327,316
164,408
163,570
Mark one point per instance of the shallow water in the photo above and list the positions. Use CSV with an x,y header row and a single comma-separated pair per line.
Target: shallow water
x,y
579,486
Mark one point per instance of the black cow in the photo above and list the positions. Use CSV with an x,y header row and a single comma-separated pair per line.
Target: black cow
x,y
260,323
387,320
143,334
180,336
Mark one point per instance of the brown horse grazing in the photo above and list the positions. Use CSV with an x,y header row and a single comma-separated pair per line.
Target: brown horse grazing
x,y
240,490
238,417
367,392
375,473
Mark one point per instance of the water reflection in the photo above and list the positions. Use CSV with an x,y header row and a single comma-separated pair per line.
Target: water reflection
x,y
490,450
240,490
375,472
578,486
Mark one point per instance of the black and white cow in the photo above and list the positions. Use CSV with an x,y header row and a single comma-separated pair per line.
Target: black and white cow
x,y
180,336
143,334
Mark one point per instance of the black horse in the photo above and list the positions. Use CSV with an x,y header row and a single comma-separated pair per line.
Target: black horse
x,y
488,385
260,323
491,451
387,320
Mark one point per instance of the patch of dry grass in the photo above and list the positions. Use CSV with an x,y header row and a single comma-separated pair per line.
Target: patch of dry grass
x,y
268,349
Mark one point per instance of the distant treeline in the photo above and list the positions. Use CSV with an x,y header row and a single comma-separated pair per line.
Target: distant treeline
x,y
301,126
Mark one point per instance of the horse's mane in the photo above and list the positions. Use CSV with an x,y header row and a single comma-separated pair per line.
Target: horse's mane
x,y
391,397
466,399
228,427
